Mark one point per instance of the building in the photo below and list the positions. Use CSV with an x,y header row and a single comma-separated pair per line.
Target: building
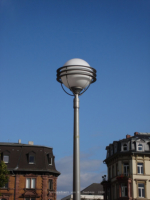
x,y
33,175
128,164
93,191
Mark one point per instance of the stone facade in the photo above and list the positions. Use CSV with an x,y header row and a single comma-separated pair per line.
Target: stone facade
x,y
128,168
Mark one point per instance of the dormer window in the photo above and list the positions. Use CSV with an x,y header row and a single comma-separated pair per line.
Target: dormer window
x,y
6,159
50,158
125,148
31,159
111,151
140,147
6,156
115,148
107,153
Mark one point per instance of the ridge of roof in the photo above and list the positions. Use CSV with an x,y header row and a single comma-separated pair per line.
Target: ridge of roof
x,y
21,144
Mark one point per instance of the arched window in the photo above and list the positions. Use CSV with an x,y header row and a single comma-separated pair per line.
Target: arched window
x,y
140,147
125,147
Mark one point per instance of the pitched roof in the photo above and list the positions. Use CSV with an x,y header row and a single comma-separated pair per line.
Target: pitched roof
x,y
93,189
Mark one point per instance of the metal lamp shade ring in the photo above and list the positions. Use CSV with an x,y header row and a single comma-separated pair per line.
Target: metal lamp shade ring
x,y
76,77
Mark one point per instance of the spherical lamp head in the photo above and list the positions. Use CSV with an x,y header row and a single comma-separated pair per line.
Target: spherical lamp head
x,y
76,74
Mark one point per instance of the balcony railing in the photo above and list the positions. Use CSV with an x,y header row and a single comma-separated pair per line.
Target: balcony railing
x,y
123,176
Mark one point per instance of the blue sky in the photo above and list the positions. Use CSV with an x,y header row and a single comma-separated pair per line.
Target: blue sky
x,y
37,37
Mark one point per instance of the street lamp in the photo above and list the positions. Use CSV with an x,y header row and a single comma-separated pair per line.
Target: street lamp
x,y
77,75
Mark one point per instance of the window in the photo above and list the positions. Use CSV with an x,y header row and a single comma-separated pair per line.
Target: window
x,y
140,147
108,193
50,161
31,159
115,148
124,190
30,183
113,192
111,150
117,189
126,168
50,158
5,186
116,169
141,190
140,168
6,159
109,172
125,147
50,184
108,153
113,174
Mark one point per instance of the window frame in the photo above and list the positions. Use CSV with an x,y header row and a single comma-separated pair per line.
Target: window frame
x,y
108,154
5,187
52,184
125,145
126,167
117,189
125,187
50,159
111,151
140,167
113,171
30,162
117,169
115,148
109,173
6,162
139,146
30,183
140,188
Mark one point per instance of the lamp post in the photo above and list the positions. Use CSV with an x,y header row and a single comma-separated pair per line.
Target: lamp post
x,y
77,75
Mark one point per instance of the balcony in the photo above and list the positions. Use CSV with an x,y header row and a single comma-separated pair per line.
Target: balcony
x,y
121,177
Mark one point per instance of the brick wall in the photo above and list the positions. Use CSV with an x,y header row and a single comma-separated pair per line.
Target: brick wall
x,y
17,188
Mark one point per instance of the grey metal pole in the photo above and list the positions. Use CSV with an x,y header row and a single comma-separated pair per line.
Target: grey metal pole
x,y
76,152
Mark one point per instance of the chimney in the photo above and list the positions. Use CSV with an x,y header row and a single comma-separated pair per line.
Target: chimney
x,y
128,136
19,141
30,142
136,133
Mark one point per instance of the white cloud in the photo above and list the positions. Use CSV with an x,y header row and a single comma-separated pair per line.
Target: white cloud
x,y
90,165
89,173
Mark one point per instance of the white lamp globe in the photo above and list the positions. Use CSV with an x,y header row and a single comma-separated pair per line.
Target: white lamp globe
x,y
76,73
